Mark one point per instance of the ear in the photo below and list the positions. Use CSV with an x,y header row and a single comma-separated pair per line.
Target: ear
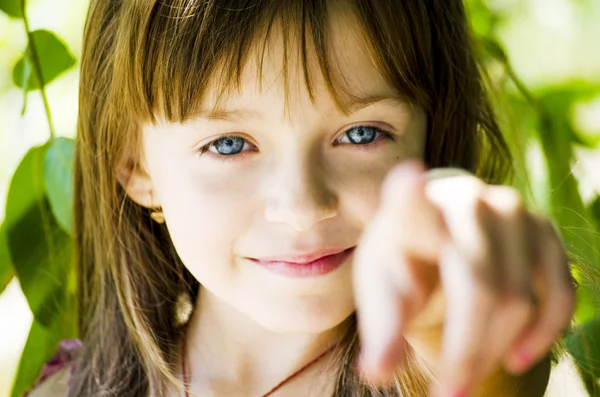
x,y
137,184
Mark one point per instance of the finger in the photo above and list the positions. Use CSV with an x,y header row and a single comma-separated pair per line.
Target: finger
x,y
469,224
556,304
381,314
391,283
470,272
383,327
511,229
407,214
508,321
389,289
469,304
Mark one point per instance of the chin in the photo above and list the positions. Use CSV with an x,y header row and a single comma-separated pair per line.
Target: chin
x,y
305,321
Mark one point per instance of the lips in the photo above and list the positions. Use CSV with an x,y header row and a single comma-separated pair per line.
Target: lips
x,y
306,265
302,259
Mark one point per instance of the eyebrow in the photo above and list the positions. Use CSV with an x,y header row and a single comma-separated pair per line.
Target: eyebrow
x,y
229,115
357,103
353,105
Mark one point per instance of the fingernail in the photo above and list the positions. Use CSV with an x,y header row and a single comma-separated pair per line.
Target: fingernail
x,y
382,356
456,393
460,393
379,367
367,360
522,360
368,367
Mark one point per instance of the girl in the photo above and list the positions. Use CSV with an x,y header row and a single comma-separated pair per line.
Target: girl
x,y
250,198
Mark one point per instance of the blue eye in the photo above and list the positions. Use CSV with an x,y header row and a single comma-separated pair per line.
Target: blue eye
x,y
361,135
226,146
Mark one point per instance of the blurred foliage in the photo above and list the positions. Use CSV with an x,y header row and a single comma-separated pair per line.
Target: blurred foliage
x,y
544,118
11,8
35,242
48,48
584,346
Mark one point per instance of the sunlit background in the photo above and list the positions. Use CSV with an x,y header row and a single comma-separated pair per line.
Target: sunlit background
x,y
548,42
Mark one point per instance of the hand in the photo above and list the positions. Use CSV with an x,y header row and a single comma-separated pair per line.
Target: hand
x,y
502,271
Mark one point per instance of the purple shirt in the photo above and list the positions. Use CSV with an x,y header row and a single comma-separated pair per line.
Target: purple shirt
x,y
65,355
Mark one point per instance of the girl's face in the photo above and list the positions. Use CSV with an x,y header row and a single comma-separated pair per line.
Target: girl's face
x,y
289,179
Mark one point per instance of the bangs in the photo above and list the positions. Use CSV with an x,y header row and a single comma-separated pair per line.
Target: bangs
x,y
173,51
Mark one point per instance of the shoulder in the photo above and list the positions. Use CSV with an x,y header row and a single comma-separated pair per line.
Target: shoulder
x,y
53,386
54,377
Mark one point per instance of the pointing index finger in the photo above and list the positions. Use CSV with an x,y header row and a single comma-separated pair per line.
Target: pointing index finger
x,y
408,215
389,279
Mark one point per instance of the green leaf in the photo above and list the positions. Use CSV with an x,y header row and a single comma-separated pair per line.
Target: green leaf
x,y
36,352
561,100
41,345
11,8
6,268
494,48
53,55
595,208
584,347
58,176
586,297
40,250
578,228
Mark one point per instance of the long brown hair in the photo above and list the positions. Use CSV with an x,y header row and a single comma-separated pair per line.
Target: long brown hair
x,y
145,58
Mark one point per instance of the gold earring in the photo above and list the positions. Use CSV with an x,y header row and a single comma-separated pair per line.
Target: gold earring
x,y
157,216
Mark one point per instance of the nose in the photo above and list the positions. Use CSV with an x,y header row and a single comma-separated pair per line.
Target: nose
x,y
298,194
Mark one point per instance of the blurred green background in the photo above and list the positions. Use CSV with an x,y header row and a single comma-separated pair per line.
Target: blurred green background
x,y
543,57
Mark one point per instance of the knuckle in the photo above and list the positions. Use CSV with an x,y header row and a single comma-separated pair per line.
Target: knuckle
x,y
506,200
480,207
487,273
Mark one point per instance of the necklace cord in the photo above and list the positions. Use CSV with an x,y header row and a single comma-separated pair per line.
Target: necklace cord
x,y
186,375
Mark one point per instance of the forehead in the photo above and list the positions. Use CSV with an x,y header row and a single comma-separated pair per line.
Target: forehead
x,y
282,72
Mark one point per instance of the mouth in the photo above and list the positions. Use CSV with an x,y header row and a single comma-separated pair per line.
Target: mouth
x,y
306,265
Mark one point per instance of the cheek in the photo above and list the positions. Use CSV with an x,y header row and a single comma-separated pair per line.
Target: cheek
x,y
205,216
363,201
358,185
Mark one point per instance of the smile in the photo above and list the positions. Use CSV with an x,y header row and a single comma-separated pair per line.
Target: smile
x,y
311,265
